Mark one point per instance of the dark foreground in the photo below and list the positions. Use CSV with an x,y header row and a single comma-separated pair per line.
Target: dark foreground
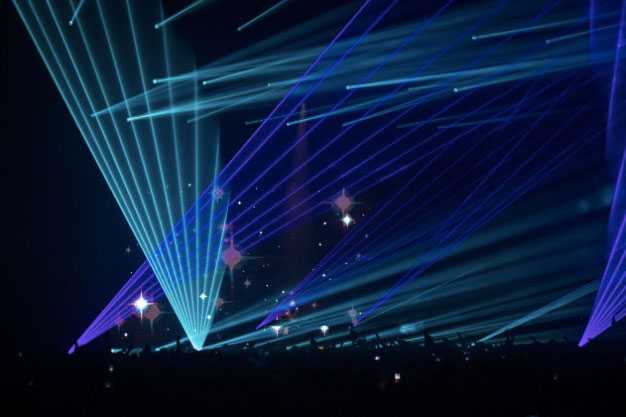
x,y
395,378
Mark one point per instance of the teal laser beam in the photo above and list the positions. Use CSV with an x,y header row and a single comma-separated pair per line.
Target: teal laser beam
x,y
534,28
579,34
263,15
566,299
179,14
81,3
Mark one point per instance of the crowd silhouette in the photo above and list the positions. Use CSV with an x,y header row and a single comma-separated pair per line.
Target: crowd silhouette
x,y
352,376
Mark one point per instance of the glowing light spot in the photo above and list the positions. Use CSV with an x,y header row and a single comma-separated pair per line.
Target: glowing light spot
x,y
324,329
141,304
231,256
276,328
396,377
347,220
203,296
343,202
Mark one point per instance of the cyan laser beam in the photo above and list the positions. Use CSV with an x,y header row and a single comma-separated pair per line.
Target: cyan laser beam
x,y
479,109
81,3
534,28
175,89
263,15
566,299
578,34
181,13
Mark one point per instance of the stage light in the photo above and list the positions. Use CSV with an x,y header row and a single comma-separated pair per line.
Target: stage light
x,y
324,329
347,220
276,329
408,328
203,296
141,304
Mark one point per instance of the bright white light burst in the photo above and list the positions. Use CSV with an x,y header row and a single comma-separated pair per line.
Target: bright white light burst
x,y
141,304
276,329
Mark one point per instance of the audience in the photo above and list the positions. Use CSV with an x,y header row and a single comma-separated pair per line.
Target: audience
x,y
437,378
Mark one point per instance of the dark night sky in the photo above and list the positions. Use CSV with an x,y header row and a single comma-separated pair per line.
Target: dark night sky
x,y
64,235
